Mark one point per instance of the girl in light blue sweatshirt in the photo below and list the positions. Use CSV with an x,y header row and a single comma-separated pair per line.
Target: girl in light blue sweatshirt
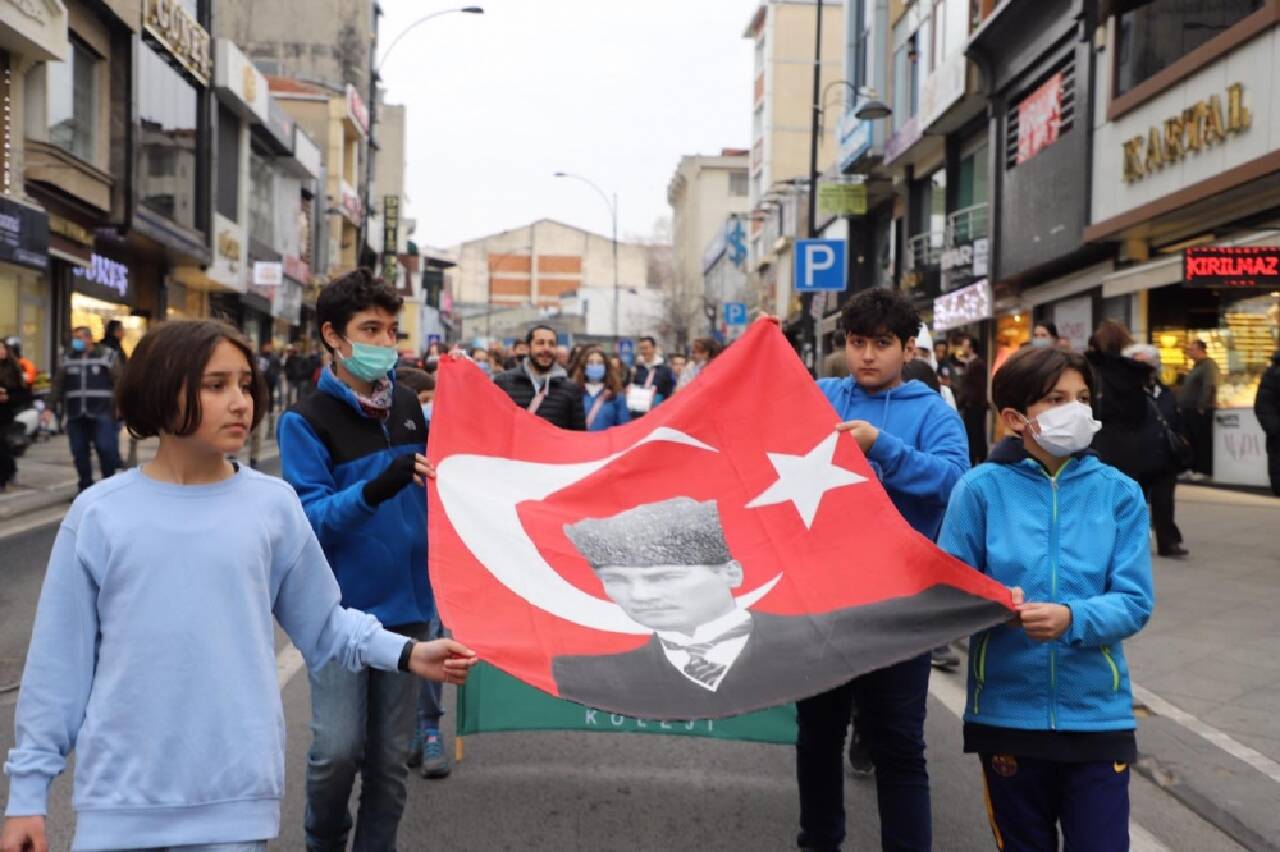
x,y
153,649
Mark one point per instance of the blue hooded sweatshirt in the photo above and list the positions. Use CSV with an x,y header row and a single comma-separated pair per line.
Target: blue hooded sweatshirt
x,y
921,452
153,658
329,449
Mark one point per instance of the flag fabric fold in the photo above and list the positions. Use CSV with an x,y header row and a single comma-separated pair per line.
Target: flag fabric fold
x,y
727,552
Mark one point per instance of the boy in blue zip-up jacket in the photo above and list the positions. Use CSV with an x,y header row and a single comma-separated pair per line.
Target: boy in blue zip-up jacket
x,y
918,448
354,452
1050,710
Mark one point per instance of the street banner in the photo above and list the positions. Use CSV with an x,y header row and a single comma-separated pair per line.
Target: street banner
x,y
492,701
727,552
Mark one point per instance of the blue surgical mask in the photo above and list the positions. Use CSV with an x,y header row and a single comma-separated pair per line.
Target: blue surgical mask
x,y
77,345
595,372
426,410
368,363
1040,342
485,368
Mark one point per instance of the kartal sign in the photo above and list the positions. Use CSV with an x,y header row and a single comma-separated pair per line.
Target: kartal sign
x,y
174,28
1200,126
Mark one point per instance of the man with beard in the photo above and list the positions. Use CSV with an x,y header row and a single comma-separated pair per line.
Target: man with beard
x,y
541,386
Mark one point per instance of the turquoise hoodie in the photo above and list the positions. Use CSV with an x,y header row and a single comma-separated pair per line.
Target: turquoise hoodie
x,y
922,450
1079,538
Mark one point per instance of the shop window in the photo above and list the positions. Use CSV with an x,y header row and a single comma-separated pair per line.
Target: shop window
x,y
96,313
261,199
168,132
1042,115
228,170
73,101
1160,32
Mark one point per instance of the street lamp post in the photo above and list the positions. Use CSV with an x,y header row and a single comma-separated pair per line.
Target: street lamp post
x,y
613,213
373,113
808,324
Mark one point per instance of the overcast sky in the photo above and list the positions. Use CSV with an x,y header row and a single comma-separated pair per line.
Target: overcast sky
x,y
614,90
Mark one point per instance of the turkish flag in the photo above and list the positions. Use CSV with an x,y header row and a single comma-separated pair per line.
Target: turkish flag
x,y
728,551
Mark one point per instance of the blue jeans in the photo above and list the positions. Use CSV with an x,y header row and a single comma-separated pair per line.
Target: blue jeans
x,y
104,434
430,692
1028,799
892,703
359,722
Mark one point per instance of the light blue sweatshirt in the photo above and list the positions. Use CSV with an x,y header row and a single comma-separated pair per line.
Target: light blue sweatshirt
x,y
152,657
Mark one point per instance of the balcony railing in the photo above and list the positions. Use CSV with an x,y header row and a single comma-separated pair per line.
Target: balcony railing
x,y
924,251
966,225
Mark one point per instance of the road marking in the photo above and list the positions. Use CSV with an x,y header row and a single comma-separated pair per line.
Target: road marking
x,y
949,690
1224,741
35,520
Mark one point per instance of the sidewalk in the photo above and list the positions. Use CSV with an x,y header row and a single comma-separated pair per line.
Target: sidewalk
x,y
47,476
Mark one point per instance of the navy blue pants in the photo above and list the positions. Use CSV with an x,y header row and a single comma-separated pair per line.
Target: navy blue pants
x,y
892,703
103,433
1028,800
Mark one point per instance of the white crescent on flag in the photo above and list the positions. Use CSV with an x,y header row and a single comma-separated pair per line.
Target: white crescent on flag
x,y
481,495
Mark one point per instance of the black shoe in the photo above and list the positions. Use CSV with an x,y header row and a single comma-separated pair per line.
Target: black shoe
x,y
1175,552
944,659
860,765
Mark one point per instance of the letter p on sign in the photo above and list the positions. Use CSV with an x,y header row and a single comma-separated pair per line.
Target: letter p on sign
x,y
820,266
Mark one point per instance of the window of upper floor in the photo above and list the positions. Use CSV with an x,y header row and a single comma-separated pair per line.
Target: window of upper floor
x,y
1158,33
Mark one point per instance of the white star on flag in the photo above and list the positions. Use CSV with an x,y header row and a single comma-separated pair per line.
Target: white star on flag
x,y
805,479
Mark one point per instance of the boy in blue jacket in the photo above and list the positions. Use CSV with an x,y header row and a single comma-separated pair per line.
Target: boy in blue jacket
x,y
354,453
1050,711
917,446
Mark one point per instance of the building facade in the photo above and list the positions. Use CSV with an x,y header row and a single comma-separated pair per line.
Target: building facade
x,y
703,193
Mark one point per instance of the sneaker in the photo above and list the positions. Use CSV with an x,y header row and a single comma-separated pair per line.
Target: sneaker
x,y
435,763
860,765
415,749
944,659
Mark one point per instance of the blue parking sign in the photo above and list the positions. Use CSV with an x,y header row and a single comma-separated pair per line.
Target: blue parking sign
x,y
735,313
820,266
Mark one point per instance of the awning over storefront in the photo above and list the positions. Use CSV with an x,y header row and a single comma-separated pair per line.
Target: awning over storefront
x,y
1168,270
1068,285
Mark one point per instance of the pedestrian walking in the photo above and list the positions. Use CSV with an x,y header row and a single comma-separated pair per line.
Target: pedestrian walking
x,y
1172,453
14,396
917,446
1120,403
1197,402
353,451
702,352
1044,336
270,367
541,386
604,395
480,356
651,380
193,721
84,386
969,383
1266,405
1049,708
298,368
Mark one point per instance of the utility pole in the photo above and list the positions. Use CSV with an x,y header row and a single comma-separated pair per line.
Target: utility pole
x,y
808,325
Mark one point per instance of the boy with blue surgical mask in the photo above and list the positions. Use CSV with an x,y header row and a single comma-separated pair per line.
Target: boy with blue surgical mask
x,y
354,452
1050,704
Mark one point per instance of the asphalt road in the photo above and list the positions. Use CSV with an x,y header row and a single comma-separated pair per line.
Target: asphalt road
x,y
599,792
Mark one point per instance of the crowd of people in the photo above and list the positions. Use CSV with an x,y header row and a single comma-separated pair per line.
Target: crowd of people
x,y
334,554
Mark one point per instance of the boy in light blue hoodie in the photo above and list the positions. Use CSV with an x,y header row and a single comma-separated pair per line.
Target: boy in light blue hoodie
x,y
1050,706
153,655
917,446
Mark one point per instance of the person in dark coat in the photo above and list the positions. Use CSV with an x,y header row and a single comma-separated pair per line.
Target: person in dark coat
x,y
1266,405
113,339
1160,477
541,386
14,396
1120,403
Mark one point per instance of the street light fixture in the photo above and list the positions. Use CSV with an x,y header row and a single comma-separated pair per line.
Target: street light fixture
x,y
613,213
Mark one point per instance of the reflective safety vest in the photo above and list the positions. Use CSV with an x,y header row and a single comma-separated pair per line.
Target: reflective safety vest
x,y
88,387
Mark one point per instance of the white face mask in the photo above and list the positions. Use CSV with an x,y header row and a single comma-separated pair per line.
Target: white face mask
x,y
1065,429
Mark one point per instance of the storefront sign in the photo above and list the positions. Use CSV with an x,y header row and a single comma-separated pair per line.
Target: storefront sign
x,y
842,199
1039,118
1239,448
267,273
854,137
106,273
70,230
1198,127
241,85
966,305
24,235
357,112
1231,266
351,206
169,24
390,235
1074,319
981,252
229,267
297,269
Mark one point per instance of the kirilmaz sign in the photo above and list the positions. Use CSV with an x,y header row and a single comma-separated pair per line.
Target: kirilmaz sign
x,y
1231,266
1200,126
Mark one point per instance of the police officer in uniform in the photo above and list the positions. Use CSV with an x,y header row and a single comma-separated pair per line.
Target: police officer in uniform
x,y
85,388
